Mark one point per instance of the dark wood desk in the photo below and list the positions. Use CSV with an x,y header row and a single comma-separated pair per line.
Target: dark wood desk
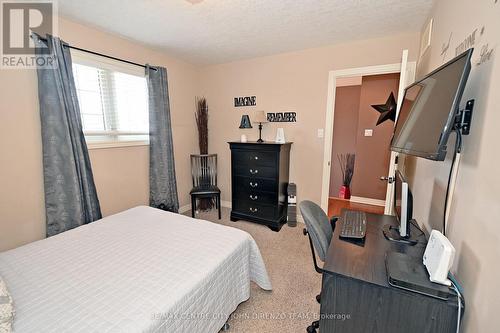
x,y
356,295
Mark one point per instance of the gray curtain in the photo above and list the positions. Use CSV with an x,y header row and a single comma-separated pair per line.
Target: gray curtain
x,y
70,193
162,183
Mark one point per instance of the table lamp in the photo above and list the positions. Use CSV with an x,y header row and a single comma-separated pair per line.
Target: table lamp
x,y
245,123
260,117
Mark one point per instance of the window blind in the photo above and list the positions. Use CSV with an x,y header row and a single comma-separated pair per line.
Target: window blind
x,y
113,100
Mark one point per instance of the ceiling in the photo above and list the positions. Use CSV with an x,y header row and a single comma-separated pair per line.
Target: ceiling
x,y
218,31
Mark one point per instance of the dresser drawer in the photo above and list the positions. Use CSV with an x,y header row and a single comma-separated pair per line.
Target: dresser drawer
x,y
249,184
255,158
255,171
259,174
255,209
256,197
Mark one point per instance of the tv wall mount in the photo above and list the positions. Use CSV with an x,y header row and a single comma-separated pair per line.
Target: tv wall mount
x,y
463,118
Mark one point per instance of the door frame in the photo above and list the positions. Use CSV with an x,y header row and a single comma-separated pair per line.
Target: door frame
x,y
330,111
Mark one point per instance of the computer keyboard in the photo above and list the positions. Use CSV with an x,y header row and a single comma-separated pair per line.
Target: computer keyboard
x,y
353,224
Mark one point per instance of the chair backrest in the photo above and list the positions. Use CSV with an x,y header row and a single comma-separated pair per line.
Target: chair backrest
x,y
318,226
204,170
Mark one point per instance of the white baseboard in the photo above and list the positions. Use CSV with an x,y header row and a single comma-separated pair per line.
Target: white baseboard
x,y
184,209
368,201
228,204
187,207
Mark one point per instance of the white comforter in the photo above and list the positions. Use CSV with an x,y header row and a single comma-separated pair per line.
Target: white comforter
x,y
139,270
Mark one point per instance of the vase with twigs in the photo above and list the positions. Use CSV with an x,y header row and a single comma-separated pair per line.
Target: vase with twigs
x,y
346,162
201,115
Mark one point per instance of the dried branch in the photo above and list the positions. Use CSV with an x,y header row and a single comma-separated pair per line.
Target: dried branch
x,y
202,123
346,162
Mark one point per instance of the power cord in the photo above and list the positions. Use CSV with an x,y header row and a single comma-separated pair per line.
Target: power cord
x,y
412,221
457,151
459,301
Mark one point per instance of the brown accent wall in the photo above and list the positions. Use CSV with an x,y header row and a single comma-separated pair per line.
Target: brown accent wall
x,y
345,127
353,114
372,158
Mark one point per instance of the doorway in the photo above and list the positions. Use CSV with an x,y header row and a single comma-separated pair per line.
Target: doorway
x,y
406,72
355,131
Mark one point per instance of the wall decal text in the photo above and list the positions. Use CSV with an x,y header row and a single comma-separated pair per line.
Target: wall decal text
x,y
282,117
468,42
445,47
245,101
485,55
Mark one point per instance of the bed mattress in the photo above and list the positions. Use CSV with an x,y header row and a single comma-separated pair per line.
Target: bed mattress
x,y
142,270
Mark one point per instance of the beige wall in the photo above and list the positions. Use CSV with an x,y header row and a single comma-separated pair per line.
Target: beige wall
x,y
473,227
121,174
296,82
288,82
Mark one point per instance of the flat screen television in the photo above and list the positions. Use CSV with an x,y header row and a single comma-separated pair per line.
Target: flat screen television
x,y
430,106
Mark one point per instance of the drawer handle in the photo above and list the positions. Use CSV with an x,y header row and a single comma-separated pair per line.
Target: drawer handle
x,y
254,185
253,210
254,172
253,197
256,157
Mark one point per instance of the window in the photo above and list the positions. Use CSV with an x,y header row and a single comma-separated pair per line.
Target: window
x,y
113,100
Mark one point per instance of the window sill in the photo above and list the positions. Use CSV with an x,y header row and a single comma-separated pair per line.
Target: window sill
x,y
116,144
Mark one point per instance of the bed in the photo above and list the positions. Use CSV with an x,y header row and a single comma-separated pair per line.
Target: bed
x,y
142,270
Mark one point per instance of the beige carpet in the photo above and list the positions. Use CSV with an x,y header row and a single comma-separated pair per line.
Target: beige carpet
x,y
291,305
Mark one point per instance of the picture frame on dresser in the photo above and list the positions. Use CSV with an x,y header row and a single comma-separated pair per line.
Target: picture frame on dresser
x,y
259,181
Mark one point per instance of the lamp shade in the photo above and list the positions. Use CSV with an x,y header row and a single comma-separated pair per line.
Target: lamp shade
x,y
260,117
245,121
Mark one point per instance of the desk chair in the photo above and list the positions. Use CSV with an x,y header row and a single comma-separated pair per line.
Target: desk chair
x,y
204,174
320,231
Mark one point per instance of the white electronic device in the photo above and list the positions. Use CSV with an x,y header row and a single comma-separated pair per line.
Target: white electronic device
x,y
280,136
438,258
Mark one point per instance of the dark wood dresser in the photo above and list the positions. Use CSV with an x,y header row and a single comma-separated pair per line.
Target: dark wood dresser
x,y
259,180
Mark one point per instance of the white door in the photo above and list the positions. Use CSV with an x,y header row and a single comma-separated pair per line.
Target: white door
x,y
406,78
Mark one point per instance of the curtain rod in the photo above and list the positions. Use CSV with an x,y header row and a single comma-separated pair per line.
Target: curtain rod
x,y
103,55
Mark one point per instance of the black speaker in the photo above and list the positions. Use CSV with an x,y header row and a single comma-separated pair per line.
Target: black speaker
x,y
292,205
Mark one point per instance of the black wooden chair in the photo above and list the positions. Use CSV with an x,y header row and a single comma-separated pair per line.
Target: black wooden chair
x,y
204,174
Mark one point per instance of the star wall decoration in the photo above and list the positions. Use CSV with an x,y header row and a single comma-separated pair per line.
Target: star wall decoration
x,y
387,110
